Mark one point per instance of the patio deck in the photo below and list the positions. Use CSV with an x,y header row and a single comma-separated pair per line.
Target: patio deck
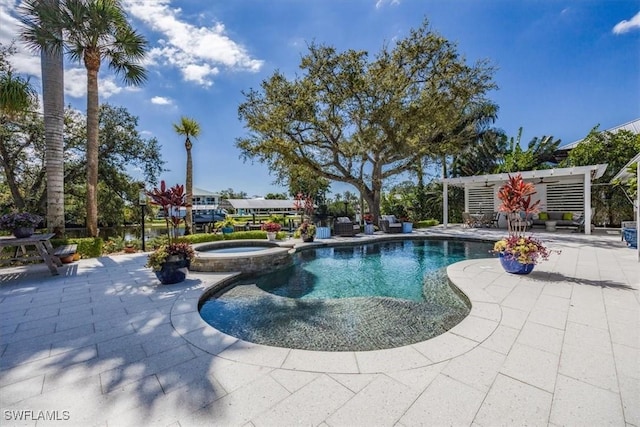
x,y
103,344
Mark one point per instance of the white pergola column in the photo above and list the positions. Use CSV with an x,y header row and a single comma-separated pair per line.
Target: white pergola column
x,y
587,202
445,204
466,198
638,206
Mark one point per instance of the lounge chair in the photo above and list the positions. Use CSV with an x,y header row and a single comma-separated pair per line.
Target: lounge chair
x,y
343,226
389,224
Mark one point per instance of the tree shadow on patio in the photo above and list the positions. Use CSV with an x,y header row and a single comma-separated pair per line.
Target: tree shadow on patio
x,y
543,276
100,344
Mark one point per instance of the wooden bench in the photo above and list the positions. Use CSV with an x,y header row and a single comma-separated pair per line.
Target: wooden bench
x,y
66,250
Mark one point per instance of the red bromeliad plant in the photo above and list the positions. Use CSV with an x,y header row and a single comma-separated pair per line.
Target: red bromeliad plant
x,y
515,195
170,199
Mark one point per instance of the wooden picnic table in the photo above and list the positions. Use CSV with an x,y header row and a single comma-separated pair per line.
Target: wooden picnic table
x,y
44,249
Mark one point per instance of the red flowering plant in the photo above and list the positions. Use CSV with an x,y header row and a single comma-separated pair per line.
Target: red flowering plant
x,y
368,218
170,199
271,227
515,196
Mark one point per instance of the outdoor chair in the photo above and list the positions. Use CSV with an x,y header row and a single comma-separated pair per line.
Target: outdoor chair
x,y
495,220
468,220
631,237
343,226
486,220
389,224
626,224
518,221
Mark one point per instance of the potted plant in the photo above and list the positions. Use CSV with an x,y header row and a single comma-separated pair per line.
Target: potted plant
x,y
272,229
226,225
170,261
518,252
306,231
21,224
130,247
368,223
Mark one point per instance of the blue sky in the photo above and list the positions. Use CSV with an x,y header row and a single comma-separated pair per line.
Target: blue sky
x,y
563,66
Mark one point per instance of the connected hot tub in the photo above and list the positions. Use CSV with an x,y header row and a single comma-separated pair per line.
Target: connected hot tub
x,y
245,256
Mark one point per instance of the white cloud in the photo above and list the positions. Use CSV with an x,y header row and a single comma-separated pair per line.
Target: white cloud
x,y
23,61
626,26
75,84
198,52
381,3
161,100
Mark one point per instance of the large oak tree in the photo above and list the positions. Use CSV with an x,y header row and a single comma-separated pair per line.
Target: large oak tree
x,y
362,121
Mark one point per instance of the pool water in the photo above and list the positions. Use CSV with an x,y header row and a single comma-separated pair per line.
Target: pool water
x,y
349,298
393,269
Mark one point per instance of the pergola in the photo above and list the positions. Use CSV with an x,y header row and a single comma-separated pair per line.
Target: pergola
x,y
567,189
624,175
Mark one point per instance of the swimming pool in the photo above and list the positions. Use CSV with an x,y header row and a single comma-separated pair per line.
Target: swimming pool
x,y
348,298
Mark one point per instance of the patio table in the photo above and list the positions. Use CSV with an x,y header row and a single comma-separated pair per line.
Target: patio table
x,y
42,243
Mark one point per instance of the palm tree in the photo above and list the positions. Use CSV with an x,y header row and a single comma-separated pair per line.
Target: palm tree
x,y
189,128
91,31
53,102
17,97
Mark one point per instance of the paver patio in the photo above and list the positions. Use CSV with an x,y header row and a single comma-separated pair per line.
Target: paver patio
x,y
105,344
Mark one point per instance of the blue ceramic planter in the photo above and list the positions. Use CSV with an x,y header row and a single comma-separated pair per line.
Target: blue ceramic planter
x,y
174,271
513,266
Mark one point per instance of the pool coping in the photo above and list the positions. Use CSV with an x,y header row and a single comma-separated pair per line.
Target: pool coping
x,y
483,319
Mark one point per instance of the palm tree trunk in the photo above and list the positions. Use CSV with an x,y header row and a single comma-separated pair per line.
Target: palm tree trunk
x,y
188,219
92,148
53,103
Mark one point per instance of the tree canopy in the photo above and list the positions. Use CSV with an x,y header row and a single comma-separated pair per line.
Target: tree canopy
x,y
360,121
615,149
22,160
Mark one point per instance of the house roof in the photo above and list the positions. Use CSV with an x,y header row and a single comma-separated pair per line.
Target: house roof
x,y
624,173
596,171
200,192
632,126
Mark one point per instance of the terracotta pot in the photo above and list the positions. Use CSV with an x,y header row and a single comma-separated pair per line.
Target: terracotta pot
x,y
67,259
